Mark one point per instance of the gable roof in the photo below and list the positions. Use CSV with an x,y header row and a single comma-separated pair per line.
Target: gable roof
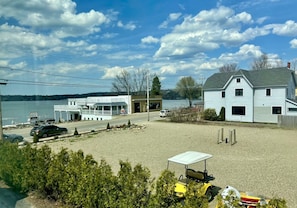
x,y
258,78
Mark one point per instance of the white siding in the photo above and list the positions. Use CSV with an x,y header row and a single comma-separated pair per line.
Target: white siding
x,y
213,99
263,104
291,89
246,100
258,106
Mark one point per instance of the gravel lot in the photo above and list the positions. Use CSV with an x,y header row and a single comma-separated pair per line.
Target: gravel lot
x,y
263,160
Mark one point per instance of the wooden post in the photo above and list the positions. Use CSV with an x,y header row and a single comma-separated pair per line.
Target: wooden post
x,y
220,136
234,135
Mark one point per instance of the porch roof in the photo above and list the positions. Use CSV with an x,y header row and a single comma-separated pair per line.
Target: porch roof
x,y
110,104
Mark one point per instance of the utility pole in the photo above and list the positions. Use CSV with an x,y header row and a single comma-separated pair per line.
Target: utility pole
x,y
202,83
1,129
147,96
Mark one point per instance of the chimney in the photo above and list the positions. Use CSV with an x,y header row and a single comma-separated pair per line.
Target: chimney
x,y
289,65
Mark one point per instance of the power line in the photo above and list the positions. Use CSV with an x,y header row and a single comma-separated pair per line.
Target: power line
x,y
48,74
22,82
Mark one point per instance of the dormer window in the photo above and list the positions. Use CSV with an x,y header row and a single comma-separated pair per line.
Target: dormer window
x,y
268,92
238,80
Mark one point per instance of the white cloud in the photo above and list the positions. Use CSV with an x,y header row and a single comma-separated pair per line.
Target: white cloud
x,y
289,28
112,72
249,52
67,68
12,37
293,43
149,39
207,31
109,35
169,69
58,17
261,20
210,65
245,52
172,17
128,26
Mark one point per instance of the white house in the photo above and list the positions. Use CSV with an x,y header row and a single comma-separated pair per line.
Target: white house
x,y
252,96
93,108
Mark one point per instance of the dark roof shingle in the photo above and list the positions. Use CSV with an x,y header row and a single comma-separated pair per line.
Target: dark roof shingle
x,y
258,78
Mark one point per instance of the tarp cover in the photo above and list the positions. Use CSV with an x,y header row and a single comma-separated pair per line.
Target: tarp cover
x,y
189,157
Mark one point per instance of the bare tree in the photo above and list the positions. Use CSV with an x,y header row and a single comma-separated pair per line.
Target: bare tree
x,y
263,62
260,63
139,81
188,88
122,82
131,83
229,68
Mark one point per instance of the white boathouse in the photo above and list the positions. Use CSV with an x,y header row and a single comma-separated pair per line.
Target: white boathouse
x,y
93,108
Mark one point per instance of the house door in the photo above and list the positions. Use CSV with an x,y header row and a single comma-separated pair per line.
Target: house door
x,y
136,107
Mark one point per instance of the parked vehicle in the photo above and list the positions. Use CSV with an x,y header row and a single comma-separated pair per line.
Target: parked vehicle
x,y
14,138
49,130
33,130
164,113
189,158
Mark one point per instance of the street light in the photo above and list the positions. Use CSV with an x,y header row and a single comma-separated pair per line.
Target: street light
x,y
1,129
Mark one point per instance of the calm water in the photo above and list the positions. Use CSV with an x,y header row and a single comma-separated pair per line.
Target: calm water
x,y
14,112
19,111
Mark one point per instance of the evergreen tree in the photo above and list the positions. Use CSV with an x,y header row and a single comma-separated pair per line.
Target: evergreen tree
x,y
156,86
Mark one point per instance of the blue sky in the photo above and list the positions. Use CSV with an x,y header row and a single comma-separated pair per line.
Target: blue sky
x,y
64,46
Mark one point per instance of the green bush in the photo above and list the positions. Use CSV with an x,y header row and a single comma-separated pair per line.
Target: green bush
x,y
165,196
11,161
35,168
210,114
35,138
184,115
77,180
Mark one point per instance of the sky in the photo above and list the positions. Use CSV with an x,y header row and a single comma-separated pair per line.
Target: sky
x,y
50,47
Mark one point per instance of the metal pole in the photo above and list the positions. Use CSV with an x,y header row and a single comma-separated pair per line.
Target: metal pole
x,y
1,129
147,97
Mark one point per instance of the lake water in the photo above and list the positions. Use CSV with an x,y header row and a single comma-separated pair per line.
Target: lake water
x,y
14,112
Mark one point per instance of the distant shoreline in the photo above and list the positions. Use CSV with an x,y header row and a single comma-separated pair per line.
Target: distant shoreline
x,y
169,94
51,97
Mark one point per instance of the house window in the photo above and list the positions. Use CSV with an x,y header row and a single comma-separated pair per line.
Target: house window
x,y
238,80
268,92
292,109
223,94
238,92
276,110
238,110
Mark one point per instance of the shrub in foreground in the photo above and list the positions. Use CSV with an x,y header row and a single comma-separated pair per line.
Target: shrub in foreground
x,y
77,180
